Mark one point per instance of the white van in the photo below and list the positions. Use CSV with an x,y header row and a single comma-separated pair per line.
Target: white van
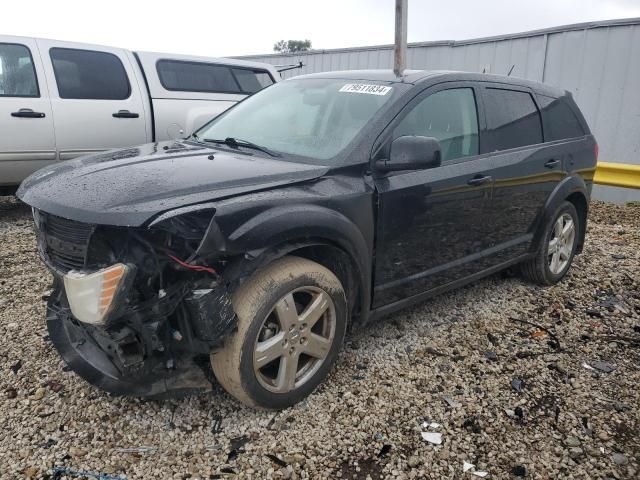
x,y
59,100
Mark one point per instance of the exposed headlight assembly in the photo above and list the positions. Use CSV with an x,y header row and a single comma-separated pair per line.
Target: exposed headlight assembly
x,y
91,295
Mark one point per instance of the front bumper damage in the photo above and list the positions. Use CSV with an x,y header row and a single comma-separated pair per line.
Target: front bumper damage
x,y
168,316
143,354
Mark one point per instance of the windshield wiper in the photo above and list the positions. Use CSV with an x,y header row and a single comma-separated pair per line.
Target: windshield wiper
x,y
238,142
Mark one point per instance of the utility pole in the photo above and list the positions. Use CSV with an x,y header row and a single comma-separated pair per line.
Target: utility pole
x,y
400,50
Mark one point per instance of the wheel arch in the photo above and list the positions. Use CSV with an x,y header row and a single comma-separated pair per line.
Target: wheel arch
x,y
316,233
571,189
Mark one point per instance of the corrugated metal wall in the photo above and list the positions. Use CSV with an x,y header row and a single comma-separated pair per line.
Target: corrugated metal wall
x,y
598,62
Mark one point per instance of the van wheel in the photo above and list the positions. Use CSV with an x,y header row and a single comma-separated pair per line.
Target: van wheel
x,y
557,248
292,318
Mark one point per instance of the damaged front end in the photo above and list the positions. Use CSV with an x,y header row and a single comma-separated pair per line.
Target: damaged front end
x,y
136,311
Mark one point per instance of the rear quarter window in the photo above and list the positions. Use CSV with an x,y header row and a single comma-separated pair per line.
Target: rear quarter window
x,y
513,120
252,81
560,121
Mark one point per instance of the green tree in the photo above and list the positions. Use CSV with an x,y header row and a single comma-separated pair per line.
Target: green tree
x,y
292,46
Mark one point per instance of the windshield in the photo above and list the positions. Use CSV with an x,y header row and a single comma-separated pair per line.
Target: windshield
x,y
314,118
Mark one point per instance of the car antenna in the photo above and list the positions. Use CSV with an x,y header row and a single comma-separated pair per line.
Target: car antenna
x,y
511,70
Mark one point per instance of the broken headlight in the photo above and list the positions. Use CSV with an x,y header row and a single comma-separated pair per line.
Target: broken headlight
x,y
91,295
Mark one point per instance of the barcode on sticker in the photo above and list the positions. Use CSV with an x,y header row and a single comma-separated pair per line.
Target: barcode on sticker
x,y
364,88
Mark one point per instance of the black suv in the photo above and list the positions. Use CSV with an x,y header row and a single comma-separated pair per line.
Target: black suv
x,y
320,202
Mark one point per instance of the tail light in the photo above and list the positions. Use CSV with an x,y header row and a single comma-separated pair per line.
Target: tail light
x,y
596,151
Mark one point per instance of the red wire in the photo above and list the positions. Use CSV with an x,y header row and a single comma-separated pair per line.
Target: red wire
x,y
197,268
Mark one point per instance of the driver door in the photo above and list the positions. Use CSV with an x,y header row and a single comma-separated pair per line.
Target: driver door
x,y
432,223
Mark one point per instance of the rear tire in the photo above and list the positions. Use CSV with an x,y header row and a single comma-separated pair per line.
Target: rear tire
x,y
557,247
292,318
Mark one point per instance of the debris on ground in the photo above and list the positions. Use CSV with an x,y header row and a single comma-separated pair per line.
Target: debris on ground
x,y
470,468
432,425
517,384
432,437
450,401
605,367
492,356
278,461
136,450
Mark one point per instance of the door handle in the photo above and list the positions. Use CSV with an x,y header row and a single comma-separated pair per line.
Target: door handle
x,y
479,180
552,163
125,114
27,113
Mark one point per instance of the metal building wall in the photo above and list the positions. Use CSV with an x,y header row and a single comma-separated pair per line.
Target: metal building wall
x,y
598,62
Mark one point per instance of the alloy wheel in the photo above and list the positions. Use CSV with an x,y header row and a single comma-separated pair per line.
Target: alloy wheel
x,y
294,339
561,243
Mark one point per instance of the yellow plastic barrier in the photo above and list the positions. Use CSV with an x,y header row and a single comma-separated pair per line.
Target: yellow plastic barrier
x,y
617,175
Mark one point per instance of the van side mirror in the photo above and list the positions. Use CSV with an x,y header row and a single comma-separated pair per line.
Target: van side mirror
x,y
411,153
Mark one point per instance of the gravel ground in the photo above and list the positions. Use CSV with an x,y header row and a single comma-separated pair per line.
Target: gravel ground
x,y
512,398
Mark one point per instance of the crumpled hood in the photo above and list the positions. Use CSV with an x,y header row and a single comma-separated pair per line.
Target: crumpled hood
x,y
128,187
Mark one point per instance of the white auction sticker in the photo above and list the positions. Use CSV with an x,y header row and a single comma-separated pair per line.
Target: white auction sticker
x,y
364,88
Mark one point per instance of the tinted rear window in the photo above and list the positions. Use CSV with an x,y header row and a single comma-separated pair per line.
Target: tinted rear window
x,y
560,120
513,119
178,75
252,80
87,74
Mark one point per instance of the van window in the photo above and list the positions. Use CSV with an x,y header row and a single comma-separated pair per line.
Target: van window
x,y
252,80
184,76
560,120
17,73
451,117
89,75
513,120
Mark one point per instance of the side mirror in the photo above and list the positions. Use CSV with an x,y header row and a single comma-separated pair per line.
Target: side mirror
x,y
411,153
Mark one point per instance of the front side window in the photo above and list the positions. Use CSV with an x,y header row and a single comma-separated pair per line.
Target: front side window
x,y
513,120
312,118
451,117
89,75
17,73
560,121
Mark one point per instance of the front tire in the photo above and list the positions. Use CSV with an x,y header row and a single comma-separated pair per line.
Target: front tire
x,y
557,247
292,318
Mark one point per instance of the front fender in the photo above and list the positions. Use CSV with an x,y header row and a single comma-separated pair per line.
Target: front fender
x,y
280,230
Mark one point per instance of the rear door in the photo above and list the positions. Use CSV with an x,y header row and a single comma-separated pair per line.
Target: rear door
x,y
27,140
526,170
96,99
566,132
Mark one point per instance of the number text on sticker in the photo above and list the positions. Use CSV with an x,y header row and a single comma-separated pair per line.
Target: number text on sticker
x,y
364,88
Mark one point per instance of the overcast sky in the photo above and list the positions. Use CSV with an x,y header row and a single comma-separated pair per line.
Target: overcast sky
x,y
242,27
